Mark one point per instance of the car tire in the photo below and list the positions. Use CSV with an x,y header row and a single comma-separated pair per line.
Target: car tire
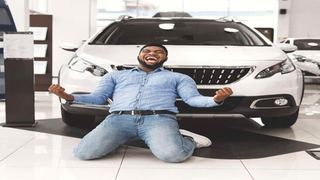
x,y
78,120
280,122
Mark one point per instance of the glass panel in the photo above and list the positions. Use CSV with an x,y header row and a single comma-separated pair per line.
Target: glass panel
x,y
147,8
112,9
4,17
307,44
1,37
262,13
206,8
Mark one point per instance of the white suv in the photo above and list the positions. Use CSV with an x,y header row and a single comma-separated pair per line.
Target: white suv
x,y
307,55
215,53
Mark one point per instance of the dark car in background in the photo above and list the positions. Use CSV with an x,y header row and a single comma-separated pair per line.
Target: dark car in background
x,y
6,25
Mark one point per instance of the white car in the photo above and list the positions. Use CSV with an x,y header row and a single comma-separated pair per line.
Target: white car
x,y
215,53
307,55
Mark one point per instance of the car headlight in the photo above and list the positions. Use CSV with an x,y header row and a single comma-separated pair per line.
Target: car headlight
x,y
284,67
299,58
80,65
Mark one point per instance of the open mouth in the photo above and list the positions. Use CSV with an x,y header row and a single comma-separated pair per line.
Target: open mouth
x,y
151,59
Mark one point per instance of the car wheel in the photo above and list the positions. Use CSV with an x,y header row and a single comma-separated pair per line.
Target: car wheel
x,y
280,122
77,120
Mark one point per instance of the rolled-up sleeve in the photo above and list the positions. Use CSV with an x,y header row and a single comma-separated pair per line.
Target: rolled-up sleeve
x,y
102,92
187,90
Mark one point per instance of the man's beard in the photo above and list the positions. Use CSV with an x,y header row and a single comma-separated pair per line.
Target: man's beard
x,y
154,66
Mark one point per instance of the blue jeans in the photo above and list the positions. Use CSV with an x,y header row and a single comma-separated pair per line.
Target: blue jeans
x,y
160,132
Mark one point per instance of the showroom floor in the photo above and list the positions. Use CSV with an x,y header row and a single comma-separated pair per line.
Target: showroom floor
x,y
32,155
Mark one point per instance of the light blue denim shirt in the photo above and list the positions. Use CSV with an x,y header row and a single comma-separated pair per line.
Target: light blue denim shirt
x,y
135,89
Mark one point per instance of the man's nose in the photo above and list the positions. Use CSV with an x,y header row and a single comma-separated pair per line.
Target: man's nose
x,y
152,52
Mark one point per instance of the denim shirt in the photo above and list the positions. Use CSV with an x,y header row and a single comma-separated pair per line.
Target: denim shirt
x,y
136,89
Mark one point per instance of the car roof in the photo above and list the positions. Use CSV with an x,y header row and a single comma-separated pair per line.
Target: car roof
x,y
130,18
177,19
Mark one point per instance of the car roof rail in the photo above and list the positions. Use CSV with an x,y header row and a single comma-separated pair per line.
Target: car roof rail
x,y
229,18
123,18
172,14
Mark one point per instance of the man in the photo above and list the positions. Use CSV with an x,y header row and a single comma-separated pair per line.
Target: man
x,y
143,107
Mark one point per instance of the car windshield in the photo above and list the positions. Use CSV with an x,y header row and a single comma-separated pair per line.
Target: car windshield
x,y
180,32
307,44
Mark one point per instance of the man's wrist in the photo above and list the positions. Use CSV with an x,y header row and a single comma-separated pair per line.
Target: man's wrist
x,y
69,97
218,102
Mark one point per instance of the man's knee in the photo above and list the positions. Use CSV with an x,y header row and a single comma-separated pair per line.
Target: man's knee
x,y
173,155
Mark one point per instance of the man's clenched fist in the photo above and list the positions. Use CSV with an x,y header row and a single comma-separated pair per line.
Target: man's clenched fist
x,y
60,91
222,94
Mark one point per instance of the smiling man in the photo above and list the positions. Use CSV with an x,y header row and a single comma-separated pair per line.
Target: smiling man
x,y
144,108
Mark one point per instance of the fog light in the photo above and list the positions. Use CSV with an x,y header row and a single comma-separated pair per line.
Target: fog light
x,y
281,102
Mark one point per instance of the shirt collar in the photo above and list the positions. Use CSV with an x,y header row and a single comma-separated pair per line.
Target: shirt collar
x,y
156,70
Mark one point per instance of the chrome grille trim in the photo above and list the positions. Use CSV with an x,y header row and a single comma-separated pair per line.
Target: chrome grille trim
x,y
209,75
213,75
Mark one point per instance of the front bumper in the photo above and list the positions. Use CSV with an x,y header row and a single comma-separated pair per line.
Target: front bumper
x,y
248,106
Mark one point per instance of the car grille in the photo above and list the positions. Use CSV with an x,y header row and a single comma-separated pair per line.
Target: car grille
x,y
213,75
207,76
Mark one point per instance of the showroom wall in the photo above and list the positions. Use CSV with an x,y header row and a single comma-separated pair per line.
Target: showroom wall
x,y
73,21
304,20
284,20
300,19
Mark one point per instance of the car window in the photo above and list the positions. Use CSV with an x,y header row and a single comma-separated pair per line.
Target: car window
x,y
4,17
1,36
181,32
307,44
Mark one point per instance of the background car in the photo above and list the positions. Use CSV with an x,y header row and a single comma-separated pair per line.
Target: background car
x,y
307,55
6,25
215,53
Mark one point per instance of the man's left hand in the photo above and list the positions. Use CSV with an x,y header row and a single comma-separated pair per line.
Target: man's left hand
x,y
222,94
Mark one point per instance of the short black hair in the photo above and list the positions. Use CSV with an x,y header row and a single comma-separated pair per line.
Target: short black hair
x,y
155,44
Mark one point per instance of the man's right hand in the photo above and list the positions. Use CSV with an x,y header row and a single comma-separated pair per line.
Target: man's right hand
x,y
60,91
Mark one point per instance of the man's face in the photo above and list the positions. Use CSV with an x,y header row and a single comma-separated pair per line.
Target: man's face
x,y
152,57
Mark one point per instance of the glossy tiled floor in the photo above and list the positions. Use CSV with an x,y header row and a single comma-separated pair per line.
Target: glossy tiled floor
x,y
31,155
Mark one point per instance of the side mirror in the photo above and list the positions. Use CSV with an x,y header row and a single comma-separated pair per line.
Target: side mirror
x,y
287,48
70,46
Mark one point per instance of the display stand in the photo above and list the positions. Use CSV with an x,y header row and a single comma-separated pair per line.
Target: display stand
x,y
41,26
19,79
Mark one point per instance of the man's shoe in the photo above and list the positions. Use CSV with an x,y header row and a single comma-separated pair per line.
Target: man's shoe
x,y
201,141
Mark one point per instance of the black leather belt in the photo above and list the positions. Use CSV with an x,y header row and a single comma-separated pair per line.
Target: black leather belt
x,y
144,112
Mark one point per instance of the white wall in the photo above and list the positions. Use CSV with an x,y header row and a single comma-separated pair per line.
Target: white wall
x,y
71,23
20,13
301,19
284,20
304,20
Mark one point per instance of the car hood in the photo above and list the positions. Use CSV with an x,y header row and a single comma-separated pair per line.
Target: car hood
x,y
314,55
185,55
